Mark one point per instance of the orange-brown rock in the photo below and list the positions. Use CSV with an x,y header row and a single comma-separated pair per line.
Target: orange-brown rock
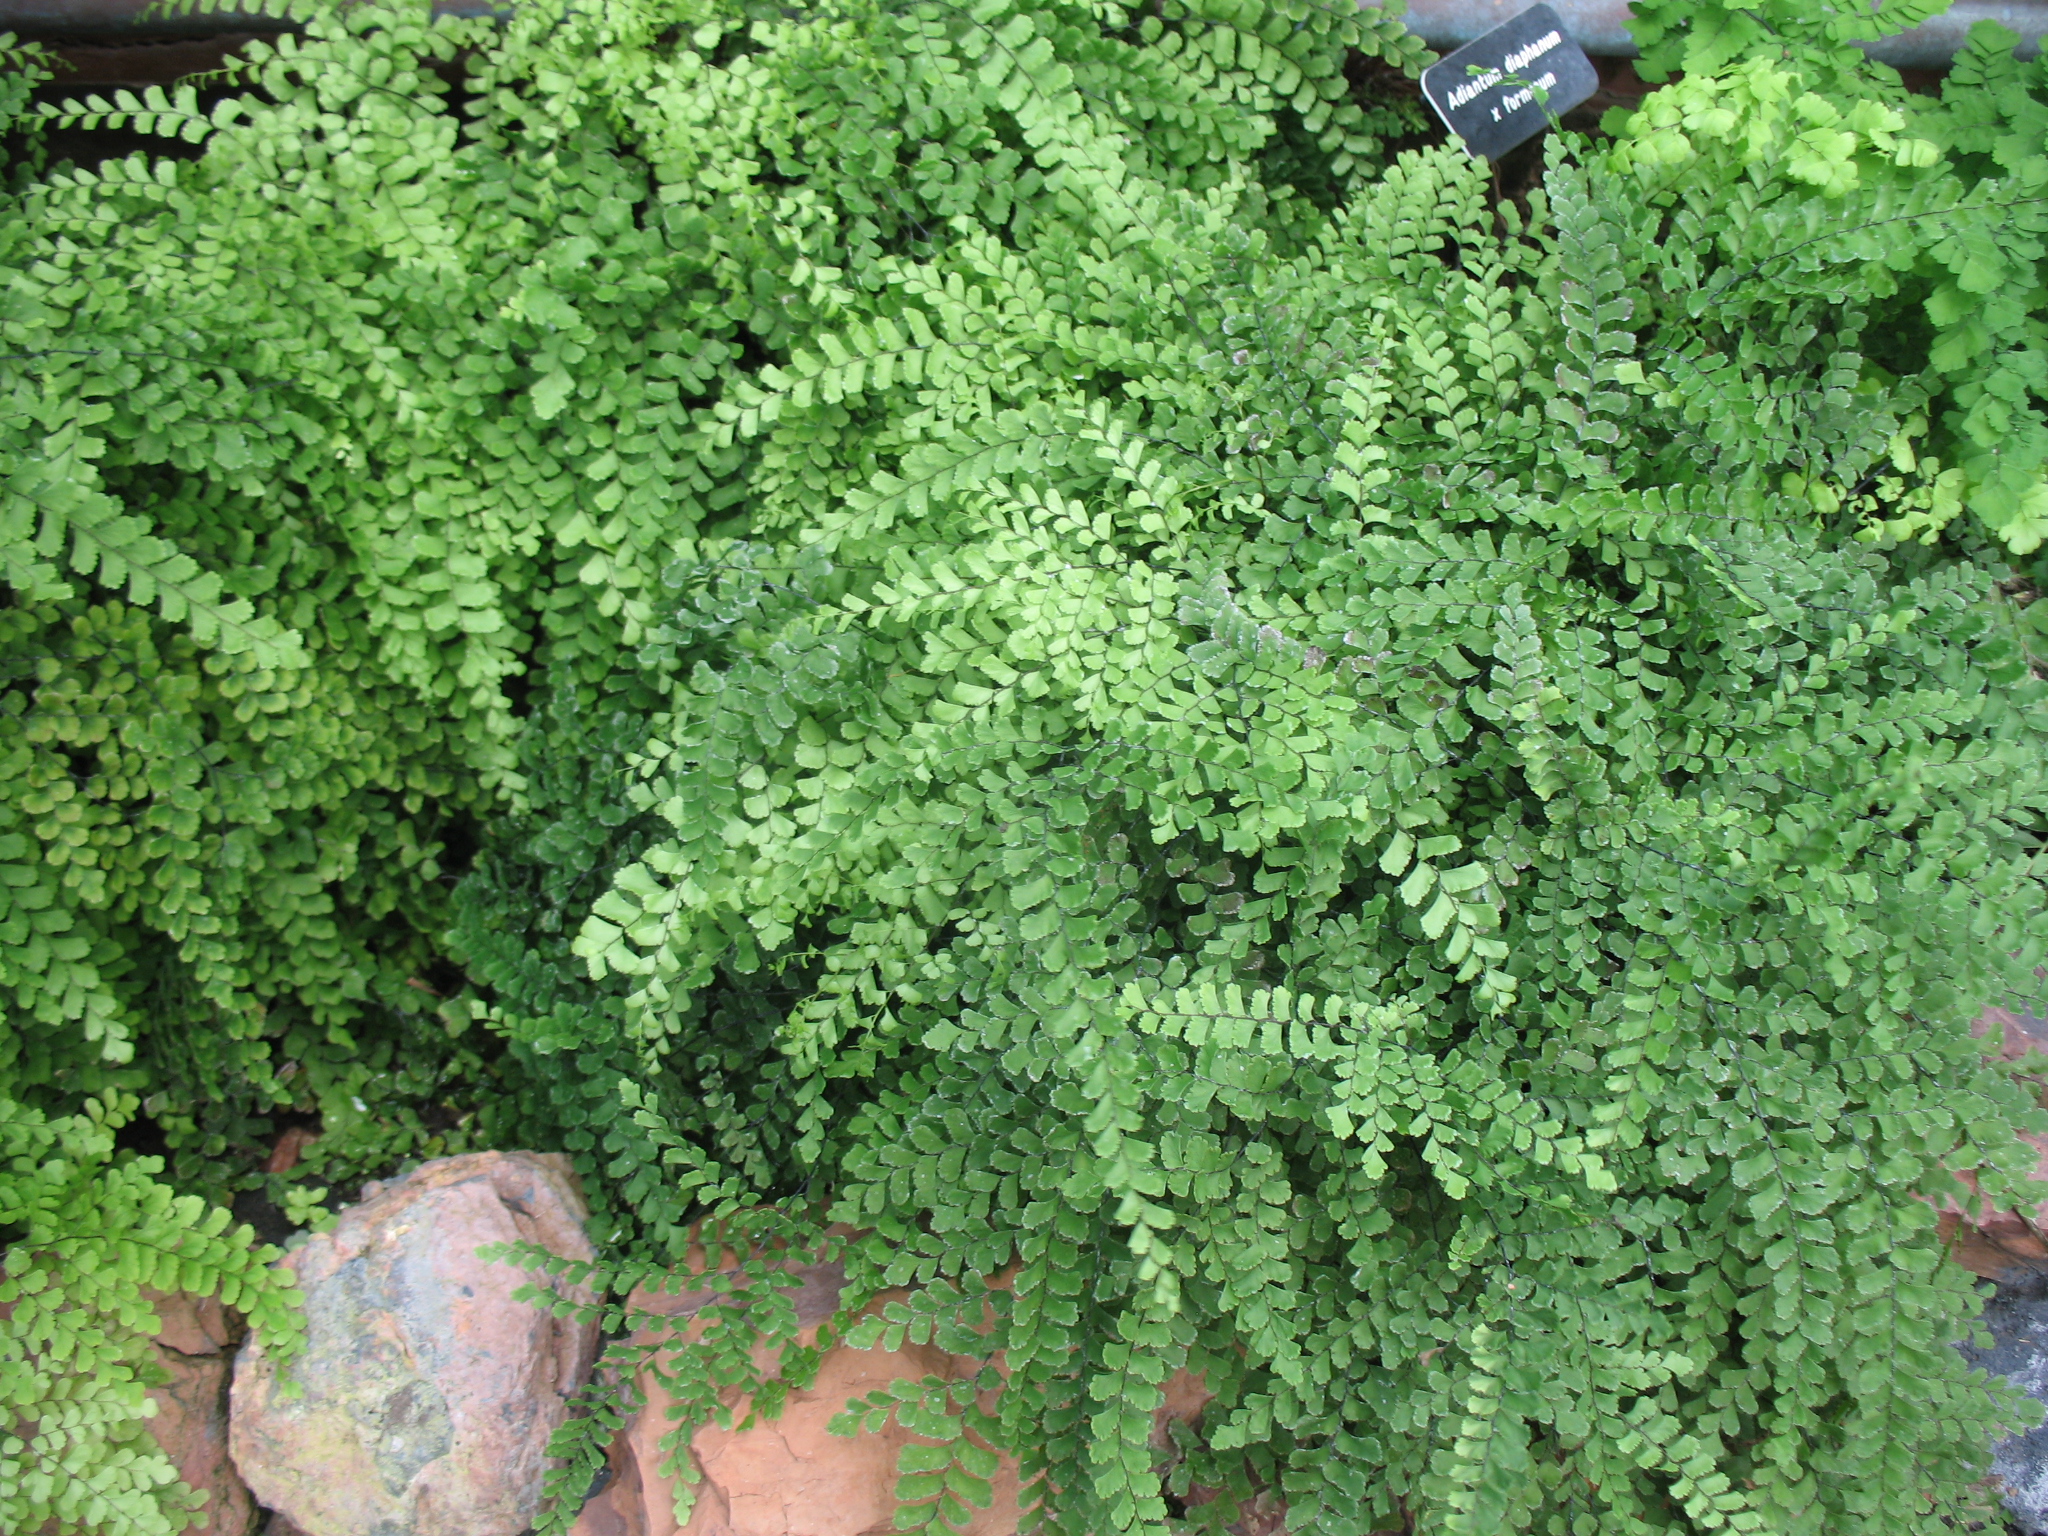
x,y
787,1476
428,1393
1263,1514
193,1344
790,1476
1998,1244
291,1146
1186,1396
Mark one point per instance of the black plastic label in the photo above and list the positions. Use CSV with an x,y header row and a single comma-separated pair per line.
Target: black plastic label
x,y
1511,84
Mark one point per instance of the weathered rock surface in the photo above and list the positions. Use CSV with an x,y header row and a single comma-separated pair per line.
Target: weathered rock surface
x,y
2008,1246
2017,1319
195,1346
786,1477
2004,1244
1264,1513
791,1477
429,1394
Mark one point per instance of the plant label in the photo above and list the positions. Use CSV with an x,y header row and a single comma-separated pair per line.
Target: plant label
x,y
1511,84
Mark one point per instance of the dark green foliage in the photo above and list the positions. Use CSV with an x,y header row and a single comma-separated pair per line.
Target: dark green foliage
x,y
1403,799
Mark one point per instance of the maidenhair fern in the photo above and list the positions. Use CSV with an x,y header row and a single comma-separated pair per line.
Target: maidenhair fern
x,y
1011,634
87,1234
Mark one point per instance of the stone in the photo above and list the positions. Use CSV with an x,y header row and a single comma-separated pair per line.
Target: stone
x,y
791,1477
291,1146
788,1476
428,1393
1187,1394
1263,1514
2017,1319
2003,1244
194,1344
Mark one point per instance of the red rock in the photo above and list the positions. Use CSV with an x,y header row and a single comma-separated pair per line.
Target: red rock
x,y
2018,1033
1186,1396
1263,1514
790,1477
1991,1242
191,1422
429,1394
787,1476
291,1146
193,1325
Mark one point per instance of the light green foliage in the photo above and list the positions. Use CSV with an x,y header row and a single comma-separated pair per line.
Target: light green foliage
x,y
86,1234
1942,205
1401,798
224,794
1478,1000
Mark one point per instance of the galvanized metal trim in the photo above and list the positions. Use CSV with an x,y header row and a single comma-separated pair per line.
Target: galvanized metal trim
x,y
1601,27
103,19
1598,26
130,20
